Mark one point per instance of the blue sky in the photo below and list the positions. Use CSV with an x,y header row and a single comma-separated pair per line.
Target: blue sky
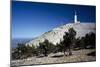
x,y
31,19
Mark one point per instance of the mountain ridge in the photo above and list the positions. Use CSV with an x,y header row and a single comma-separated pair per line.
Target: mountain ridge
x,y
56,35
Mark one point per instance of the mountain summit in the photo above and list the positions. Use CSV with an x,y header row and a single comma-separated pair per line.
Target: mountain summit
x,y
56,35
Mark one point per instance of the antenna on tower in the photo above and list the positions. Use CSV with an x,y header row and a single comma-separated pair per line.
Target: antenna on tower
x,y
75,12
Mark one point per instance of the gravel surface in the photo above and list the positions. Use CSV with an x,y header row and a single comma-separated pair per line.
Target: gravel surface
x,y
78,56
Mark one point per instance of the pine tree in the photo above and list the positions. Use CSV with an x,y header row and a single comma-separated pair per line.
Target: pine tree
x,y
46,47
68,41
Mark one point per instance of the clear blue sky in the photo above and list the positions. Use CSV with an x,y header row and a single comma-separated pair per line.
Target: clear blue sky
x,y
31,19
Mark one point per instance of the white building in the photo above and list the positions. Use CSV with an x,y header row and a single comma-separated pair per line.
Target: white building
x,y
75,18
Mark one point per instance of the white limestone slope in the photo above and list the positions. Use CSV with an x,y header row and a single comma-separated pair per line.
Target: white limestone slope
x,y
55,35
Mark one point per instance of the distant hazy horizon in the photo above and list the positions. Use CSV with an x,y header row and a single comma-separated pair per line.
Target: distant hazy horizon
x,y
15,41
31,19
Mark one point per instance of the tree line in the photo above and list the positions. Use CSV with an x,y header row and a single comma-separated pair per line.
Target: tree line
x,y
68,44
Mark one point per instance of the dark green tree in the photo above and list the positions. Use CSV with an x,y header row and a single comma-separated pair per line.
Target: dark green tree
x,y
60,46
22,51
19,52
71,39
93,40
90,40
68,41
46,47
30,51
79,43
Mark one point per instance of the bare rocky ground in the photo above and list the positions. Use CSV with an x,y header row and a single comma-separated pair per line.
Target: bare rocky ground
x,y
78,56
